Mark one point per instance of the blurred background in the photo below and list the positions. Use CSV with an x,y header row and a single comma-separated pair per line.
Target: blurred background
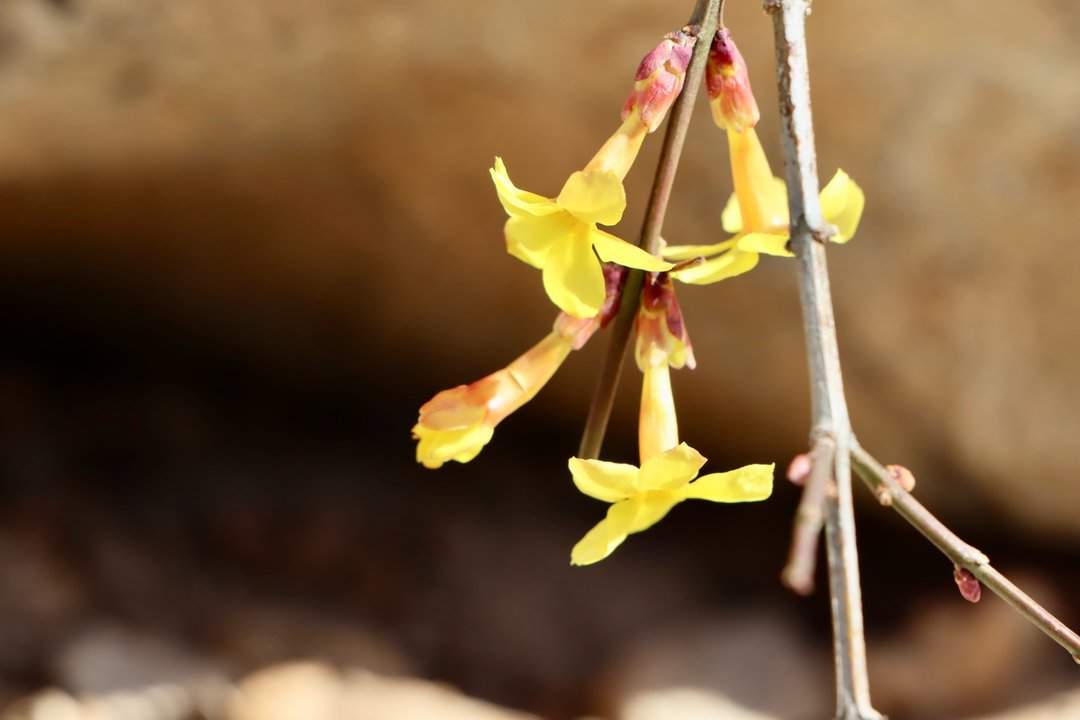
x,y
241,242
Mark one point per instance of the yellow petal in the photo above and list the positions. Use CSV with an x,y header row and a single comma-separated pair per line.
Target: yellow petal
x,y
573,278
747,484
731,217
842,202
436,447
726,266
689,252
644,510
518,202
670,469
602,540
528,237
614,250
594,196
603,480
765,243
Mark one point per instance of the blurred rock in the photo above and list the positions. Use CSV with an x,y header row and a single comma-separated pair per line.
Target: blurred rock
x,y
751,664
954,658
316,692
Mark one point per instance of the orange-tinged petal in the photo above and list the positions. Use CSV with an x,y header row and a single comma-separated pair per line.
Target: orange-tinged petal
x,y
437,447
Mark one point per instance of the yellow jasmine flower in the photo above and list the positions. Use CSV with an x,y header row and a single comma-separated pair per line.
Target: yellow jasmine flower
x,y
757,212
642,497
457,423
560,236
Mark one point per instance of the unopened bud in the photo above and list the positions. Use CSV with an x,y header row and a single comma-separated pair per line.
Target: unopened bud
x,y
728,82
659,79
969,585
903,477
799,469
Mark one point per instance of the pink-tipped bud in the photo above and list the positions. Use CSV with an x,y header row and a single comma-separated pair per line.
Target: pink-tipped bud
x,y
659,79
903,477
662,338
969,585
728,82
799,469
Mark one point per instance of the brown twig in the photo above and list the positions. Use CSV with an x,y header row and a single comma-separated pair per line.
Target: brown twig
x,y
704,18
882,483
831,429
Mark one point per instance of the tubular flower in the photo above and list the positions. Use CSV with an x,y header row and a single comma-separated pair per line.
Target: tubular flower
x,y
757,213
457,423
661,343
560,235
642,497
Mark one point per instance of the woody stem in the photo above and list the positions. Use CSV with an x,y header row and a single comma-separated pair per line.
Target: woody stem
x,y
703,23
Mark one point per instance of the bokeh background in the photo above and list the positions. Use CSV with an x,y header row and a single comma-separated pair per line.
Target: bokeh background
x,y
242,241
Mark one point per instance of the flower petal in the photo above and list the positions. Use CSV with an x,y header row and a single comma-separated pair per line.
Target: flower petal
x,y
689,252
646,509
615,250
607,535
842,202
518,202
765,243
671,469
747,484
731,217
573,277
529,237
726,266
603,480
436,447
594,196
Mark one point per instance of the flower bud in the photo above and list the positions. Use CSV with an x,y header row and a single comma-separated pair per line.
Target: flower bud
x,y
969,585
728,82
659,79
662,338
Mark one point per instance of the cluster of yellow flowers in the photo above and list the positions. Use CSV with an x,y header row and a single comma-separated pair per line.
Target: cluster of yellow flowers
x,y
582,270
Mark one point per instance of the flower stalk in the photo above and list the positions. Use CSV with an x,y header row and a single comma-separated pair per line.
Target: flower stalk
x,y
702,24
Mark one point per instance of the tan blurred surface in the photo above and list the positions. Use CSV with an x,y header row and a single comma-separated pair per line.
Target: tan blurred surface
x,y
304,181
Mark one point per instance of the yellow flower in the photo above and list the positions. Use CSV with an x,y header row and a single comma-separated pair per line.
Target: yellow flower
x,y
457,423
560,236
757,214
641,498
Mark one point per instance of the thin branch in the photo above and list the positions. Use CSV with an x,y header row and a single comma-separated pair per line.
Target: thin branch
x,y
798,574
704,19
883,484
829,408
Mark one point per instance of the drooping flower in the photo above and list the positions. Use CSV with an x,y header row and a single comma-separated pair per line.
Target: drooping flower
x,y
661,343
457,423
641,498
757,212
560,235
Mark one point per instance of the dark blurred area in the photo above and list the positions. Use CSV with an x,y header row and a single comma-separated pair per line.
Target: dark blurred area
x,y
242,242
